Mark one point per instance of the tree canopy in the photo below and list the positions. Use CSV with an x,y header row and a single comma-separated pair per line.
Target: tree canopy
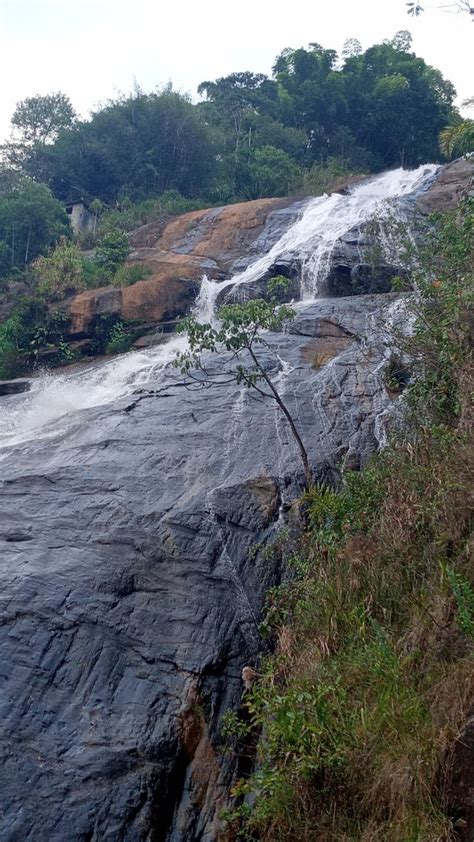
x,y
250,135
31,221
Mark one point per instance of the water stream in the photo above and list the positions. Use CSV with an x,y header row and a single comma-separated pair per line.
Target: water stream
x,y
54,399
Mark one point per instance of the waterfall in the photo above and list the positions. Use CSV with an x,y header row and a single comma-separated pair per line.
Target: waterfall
x,y
54,401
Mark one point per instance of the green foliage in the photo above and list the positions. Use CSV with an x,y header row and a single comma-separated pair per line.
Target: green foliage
x,y
31,222
127,215
29,328
239,329
61,273
251,136
370,676
458,139
118,340
464,596
126,275
112,251
39,119
138,146
328,177
272,172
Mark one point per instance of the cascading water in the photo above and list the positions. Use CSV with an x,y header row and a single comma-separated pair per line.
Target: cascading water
x,y
53,400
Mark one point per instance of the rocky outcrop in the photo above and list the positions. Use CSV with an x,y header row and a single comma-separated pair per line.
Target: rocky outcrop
x,y
453,181
220,242
153,300
132,582
178,254
14,387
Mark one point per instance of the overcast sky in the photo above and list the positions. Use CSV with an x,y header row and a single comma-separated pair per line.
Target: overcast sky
x,y
93,49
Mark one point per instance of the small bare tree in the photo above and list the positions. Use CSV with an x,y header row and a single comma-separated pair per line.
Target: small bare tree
x,y
240,330
415,8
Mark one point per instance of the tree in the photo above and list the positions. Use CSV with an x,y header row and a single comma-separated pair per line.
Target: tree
x,y
240,332
397,104
37,122
39,119
137,146
458,139
351,47
272,173
112,251
31,222
402,40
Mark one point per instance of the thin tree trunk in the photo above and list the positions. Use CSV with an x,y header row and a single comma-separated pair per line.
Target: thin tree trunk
x,y
304,456
27,250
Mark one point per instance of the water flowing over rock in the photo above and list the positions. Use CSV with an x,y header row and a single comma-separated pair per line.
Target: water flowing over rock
x,y
133,517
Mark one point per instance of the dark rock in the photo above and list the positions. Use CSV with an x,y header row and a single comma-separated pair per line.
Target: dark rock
x,y
132,583
367,280
149,340
459,786
14,387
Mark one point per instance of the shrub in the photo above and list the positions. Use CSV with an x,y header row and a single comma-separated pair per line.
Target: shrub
x,y
330,176
118,341
112,251
372,676
127,275
61,273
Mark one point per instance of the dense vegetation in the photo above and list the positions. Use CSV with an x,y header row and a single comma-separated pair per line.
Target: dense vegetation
x,y
250,136
372,676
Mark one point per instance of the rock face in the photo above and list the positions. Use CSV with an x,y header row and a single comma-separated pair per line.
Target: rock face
x,y
179,253
132,574
131,586
454,180
220,242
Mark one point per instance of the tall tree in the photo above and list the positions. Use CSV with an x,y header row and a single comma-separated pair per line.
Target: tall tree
x,y
39,119
31,221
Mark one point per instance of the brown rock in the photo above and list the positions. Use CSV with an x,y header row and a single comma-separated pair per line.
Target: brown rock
x,y
453,181
178,253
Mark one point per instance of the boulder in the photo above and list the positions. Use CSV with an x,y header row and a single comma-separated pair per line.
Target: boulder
x,y
15,387
450,184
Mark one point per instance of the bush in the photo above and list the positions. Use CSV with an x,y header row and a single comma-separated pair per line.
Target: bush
x,y
118,340
130,215
112,251
29,328
273,173
61,273
331,176
127,275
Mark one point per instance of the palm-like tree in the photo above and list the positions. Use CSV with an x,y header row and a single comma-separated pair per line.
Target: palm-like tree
x,y
458,139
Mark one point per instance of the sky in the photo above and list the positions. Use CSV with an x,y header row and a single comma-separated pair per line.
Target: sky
x,y
92,50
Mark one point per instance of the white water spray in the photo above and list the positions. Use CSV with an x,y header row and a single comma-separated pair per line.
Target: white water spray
x,y
50,406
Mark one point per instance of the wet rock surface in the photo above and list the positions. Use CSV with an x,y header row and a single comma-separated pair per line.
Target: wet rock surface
x,y
131,577
131,589
179,252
